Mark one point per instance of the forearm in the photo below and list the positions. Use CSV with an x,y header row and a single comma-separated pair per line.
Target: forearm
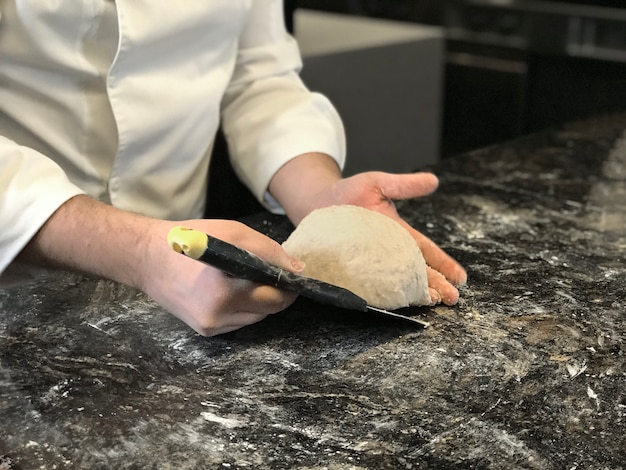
x,y
92,237
296,185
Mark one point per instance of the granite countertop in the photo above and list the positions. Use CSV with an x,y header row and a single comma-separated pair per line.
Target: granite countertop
x,y
528,371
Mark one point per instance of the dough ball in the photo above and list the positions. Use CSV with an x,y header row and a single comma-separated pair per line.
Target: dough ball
x,y
363,251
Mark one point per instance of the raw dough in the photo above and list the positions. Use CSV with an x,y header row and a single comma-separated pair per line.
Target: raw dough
x,y
363,251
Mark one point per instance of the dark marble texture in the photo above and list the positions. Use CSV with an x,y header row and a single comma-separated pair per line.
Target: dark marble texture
x,y
528,371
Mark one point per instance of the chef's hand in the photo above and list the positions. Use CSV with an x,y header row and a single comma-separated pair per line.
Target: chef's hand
x,y
377,191
205,298
92,237
373,190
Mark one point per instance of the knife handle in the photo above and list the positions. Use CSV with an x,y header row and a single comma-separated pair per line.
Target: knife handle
x,y
246,265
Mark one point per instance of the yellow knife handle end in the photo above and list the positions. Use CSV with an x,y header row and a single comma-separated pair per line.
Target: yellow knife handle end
x,y
190,242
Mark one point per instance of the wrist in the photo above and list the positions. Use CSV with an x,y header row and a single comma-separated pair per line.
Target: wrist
x,y
296,185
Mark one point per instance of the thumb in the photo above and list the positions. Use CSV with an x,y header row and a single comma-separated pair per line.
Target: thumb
x,y
273,253
407,186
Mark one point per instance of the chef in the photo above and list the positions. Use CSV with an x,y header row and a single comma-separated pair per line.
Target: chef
x,y
108,114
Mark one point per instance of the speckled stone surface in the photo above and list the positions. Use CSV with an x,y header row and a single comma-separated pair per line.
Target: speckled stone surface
x,y
528,371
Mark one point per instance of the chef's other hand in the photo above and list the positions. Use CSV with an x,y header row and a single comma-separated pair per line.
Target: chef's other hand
x,y
377,191
312,181
208,300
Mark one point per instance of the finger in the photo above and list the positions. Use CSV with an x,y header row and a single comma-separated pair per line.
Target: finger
x,y
265,301
235,321
270,299
435,297
273,253
437,258
406,186
214,300
262,302
266,248
257,298
444,291
247,304
243,236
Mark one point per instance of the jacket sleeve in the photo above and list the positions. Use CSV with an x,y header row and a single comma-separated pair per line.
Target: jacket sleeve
x,y
32,188
268,114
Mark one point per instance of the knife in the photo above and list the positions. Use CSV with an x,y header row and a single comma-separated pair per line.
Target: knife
x,y
243,264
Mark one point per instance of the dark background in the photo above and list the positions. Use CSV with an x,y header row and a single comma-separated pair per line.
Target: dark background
x,y
509,70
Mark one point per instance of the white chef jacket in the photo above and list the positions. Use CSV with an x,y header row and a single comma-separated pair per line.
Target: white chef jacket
x,y
121,99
